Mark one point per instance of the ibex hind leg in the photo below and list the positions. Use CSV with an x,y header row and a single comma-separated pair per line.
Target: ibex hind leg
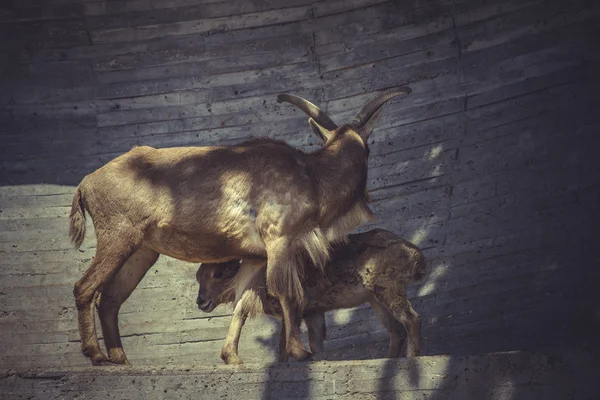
x,y
402,310
115,292
284,282
112,251
395,329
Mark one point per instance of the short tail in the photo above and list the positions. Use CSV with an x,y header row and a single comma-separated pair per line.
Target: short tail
x,y
77,220
420,267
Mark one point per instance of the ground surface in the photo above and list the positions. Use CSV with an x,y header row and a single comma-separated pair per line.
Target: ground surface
x,y
510,376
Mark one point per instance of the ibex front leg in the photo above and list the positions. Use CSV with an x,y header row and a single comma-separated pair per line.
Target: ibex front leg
x,y
291,322
283,281
229,353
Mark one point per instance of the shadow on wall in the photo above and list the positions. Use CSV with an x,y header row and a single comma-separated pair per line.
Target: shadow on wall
x,y
493,321
449,378
516,376
509,376
69,104
52,161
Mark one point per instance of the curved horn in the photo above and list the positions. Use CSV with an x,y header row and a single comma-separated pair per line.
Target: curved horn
x,y
369,109
309,108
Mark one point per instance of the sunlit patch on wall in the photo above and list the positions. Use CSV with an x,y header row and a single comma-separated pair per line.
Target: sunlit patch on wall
x,y
435,152
434,275
342,318
421,233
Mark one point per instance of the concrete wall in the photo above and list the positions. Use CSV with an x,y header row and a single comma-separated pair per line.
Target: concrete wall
x,y
490,165
507,376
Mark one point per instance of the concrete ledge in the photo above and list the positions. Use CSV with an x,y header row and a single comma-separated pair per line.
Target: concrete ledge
x,y
511,375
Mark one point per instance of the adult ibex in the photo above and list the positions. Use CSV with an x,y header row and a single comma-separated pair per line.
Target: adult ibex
x,y
213,204
374,267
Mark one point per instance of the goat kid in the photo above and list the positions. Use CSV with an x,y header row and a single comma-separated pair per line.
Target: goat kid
x,y
213,204
374,267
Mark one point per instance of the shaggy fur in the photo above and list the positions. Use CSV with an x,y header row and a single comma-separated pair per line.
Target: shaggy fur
x,y
373,267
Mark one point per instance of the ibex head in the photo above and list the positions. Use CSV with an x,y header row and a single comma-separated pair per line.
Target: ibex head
x,y
214,280
361,126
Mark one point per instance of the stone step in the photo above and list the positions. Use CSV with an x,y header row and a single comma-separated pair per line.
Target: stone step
x,y
508,375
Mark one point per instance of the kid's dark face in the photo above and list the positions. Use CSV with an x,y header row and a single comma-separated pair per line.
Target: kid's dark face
x,y
213,279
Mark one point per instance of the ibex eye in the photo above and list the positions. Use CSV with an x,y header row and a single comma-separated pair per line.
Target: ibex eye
x,y
218,275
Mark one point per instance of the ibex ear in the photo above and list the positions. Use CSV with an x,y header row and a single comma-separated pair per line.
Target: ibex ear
x,y
322,133
367,128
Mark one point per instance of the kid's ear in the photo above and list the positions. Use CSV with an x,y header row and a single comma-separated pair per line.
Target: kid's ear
x,y
322,133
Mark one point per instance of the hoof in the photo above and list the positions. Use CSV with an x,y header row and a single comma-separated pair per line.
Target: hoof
x,y
283,358
232,359
301,355
110,363
119,360
100,360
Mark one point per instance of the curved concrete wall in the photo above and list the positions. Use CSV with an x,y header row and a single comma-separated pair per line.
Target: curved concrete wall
x,y
489,165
